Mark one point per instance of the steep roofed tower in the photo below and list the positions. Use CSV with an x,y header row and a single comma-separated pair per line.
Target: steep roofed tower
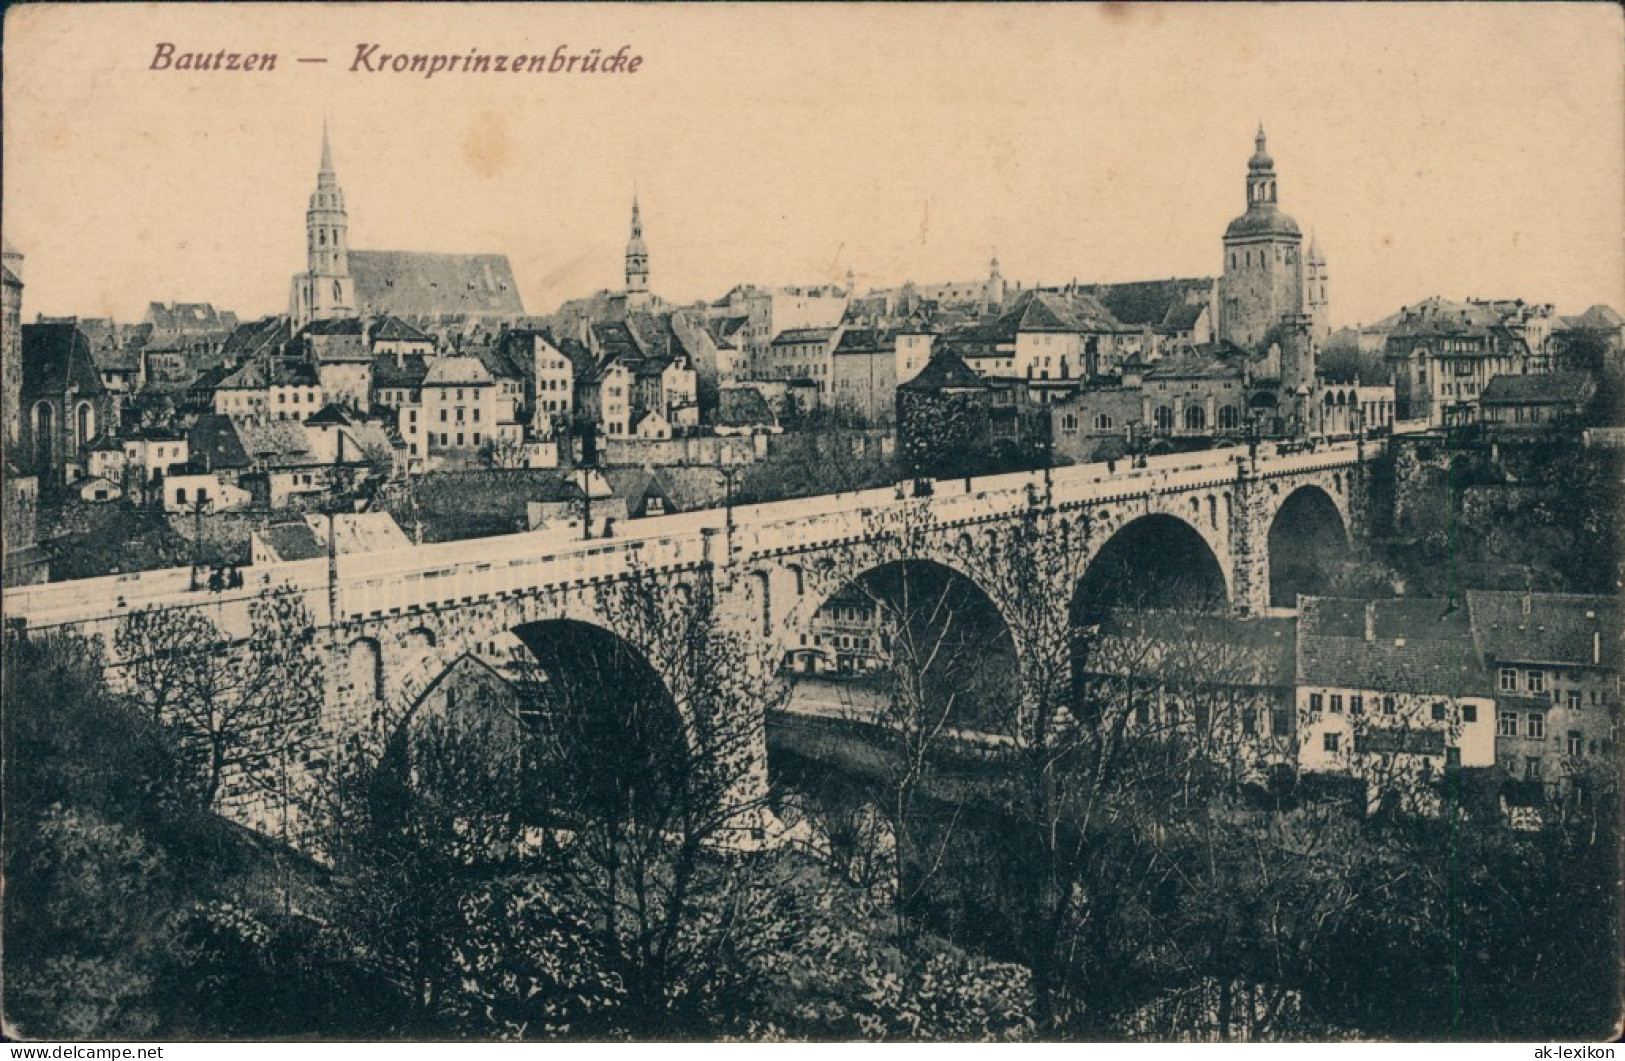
x,y
1263,267
637,259
326,289
1316,302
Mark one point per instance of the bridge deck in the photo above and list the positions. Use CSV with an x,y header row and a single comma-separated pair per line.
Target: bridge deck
x,y
445,573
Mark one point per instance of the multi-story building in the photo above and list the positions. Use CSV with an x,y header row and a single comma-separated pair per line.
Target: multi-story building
x,y
1444,355
271,388
460,405
863,374
1392,694
769,312
803,354
1556,663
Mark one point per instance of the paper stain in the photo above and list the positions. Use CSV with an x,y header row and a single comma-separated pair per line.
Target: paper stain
x,y
487,146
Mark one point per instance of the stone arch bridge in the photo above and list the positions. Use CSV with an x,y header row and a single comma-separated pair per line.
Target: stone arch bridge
x,y
391,623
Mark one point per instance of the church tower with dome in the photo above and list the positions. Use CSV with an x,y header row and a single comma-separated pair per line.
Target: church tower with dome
x,y
1261,293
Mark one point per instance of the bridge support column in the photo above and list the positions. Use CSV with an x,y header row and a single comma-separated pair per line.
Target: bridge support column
x,y
1249,544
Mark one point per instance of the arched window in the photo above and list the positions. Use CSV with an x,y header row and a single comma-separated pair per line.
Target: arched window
x,y
1164,418
87,424
1229,418
44,430
1195,418
321,236
338,292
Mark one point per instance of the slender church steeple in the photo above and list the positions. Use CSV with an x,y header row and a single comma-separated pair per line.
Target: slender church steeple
x,y
326,289
637,256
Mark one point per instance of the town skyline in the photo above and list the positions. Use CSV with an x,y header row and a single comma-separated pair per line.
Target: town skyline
x,y
1471,184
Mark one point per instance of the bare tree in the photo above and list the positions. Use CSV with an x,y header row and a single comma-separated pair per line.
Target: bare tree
x,y
241,709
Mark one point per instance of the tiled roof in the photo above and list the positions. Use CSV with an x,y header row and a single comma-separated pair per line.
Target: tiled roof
x,y
1414,646
1540,388
330,414
1556,628
213,442
406,371
1194,366
1150,302
864,341
392,328
1198,647
793,336
1051,311
292,541
502,363
190,317
55,358
255,337
1441,318
451,371
273,441
414,284
335,326
944,370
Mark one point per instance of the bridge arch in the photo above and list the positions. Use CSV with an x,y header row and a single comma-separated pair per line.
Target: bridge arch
x,y
1156,560
1308,535
906,619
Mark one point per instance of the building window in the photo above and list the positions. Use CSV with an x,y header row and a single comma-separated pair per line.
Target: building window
x,y
1574,699
1331,742
1469,712
1509,679
1576,743
1356,704
1438,711
1337,703
1249,721
1387,705
1535,681
1536,726
1315,701
1531,768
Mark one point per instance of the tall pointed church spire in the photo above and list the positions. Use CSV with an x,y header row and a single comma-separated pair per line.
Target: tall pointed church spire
x,y
637,255
325,289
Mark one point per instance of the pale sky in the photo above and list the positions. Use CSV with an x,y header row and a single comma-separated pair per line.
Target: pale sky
x,y
1462,150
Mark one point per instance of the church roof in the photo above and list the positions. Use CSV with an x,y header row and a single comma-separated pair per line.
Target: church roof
x,y
335,326
419,284
56,357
